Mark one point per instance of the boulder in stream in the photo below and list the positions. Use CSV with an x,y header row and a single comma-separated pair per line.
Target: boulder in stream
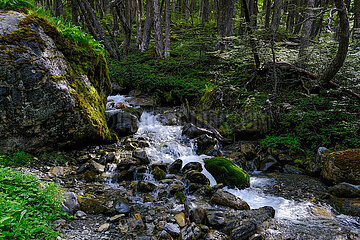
x,y
226,172
122,122
342,166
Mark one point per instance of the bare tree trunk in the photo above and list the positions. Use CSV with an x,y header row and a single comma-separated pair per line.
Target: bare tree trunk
x,y
147,26
276,16
138,22
167,29
267,3
290,17
356,35
123,10
159,45
305,34
344,35
298,17
75,13
226,17
94,26
204,12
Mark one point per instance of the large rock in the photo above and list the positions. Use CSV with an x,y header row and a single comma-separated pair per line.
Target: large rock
x,y
122,122
224,198
52,90
342,166
226,172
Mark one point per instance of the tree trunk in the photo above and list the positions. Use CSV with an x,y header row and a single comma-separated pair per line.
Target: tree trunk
x,y
305,34
75,13
167,29
123,10
147,26
344,33
291,17
276,16
267,3
159,44
226,17
356,35
204,12
138,22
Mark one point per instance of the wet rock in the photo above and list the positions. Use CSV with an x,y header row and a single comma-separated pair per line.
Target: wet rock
x,y
191,232
175,167
224,198
345,190
196,211
71,204
90,170
180,196
349,206
143,144
292,170
104,227
216,218
116,218
158,173
226,172
180,219
57,171
172,229
122,122
107,158
174,188
269,164
216,235
244,231
165,236
122,206
92,205
141,154
80,215
205,144
192,166
197,177
145,186
315,166
342,166
192,131
249,150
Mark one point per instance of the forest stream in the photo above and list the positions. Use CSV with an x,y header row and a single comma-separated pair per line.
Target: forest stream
x,y
299,211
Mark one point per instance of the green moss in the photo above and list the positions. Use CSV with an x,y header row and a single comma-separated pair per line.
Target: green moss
x,y
136,111
226,172
158,173
180,196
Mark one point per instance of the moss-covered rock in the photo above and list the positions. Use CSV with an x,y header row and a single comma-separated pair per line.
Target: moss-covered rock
x,y
53,90
226,172
342,166
158,173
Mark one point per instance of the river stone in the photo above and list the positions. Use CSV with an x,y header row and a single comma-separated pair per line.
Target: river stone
x,y
244,231
175,166
104,227
192,131
197,177
342,166
345,190
180,219
173,229
196,210
158,173
122,206
45,102
192,166
145,186
216,218
71,204
191,232
216,235
205,144
226,172
122,122
224,198
142,155
174,188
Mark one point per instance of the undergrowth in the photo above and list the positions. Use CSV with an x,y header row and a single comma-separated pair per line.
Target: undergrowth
x,y
28,206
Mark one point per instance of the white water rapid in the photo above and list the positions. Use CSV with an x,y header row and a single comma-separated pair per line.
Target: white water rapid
x,y
299,219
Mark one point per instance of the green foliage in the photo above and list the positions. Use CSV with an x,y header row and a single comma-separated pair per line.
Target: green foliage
x,y
54,158
226,172
27,206
285,141
15,158
15,4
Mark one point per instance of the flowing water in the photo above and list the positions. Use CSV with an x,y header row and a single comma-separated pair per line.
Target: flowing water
x,y
294,219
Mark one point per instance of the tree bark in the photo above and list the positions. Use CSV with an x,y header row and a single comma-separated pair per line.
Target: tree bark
x,y
204,12
138,22
276,16
226,17
167,29
159,44
344,34
305,34
144,45
267,13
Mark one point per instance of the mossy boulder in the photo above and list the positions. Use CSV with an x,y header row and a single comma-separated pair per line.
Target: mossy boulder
x,y
52,90
342,166
226,172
